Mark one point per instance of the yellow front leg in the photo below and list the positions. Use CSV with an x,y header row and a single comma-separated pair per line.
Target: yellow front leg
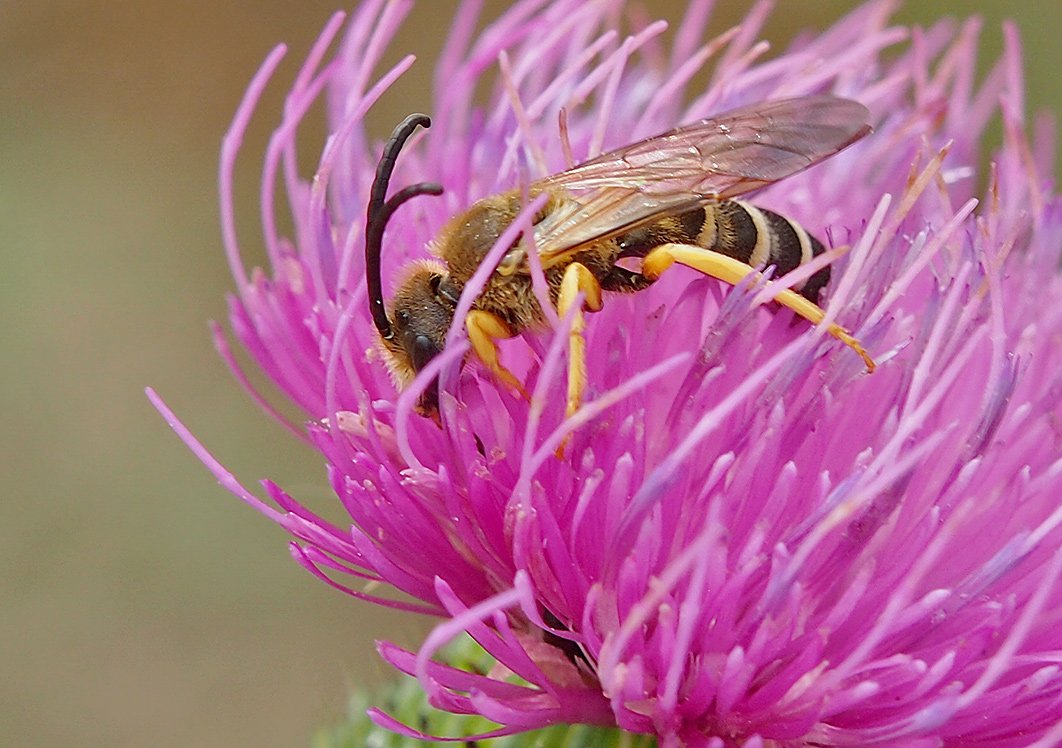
x,y
577,279
484,329
732,271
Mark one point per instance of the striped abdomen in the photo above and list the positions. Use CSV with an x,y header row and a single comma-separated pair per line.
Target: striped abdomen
x,y
734,228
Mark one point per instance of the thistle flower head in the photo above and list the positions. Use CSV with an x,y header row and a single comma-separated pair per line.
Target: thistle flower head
x,y
749,540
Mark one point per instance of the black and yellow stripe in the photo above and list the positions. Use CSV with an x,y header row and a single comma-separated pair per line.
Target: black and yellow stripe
x,y
760,237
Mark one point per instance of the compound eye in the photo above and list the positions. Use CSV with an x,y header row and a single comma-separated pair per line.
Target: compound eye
x,y
438,286
444,289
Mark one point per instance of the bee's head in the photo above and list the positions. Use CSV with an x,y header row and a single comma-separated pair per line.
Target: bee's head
x,y
413,330
420,315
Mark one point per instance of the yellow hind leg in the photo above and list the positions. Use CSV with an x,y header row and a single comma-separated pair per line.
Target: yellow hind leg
x,y
732,271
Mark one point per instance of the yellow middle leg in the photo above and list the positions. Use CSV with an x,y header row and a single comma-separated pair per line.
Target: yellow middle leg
x,y
732,271
577,279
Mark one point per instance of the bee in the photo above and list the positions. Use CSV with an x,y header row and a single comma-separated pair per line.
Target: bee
x,y
669,198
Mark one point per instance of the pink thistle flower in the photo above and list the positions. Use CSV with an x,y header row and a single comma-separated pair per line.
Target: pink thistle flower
x,y
750,540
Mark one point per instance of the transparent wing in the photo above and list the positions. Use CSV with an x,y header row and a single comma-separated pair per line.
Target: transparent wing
x,y
710,160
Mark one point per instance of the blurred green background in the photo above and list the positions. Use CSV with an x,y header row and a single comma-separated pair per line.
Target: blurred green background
x,y
142,605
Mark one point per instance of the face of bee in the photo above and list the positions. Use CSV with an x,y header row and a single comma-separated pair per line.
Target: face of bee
x,y
420,315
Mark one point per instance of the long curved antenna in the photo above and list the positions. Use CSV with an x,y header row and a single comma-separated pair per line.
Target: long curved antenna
x,y
380,211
